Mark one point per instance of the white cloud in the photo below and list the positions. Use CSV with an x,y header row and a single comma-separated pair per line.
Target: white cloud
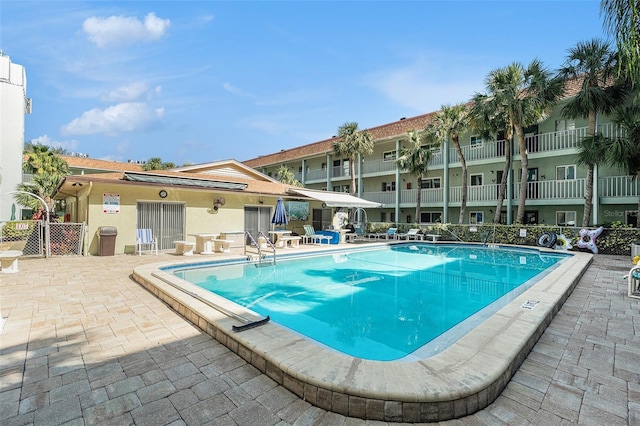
x,y
425,87
237,91
132,92
120,30
69,145
124,117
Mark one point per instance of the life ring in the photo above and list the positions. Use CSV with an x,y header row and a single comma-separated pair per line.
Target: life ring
x,y
588,238
548,239
563,243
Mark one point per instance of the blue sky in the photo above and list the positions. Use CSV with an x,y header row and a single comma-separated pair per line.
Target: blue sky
x,y
200,81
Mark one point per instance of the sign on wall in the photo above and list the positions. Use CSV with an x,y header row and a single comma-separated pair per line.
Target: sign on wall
x,y
110,203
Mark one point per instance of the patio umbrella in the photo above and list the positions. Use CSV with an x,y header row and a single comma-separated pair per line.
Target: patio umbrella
x,y
280,214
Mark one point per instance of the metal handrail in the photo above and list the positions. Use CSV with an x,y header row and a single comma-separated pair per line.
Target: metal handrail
x,y
255,244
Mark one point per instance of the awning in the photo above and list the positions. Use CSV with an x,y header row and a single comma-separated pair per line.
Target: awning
x,y
336,199
171,180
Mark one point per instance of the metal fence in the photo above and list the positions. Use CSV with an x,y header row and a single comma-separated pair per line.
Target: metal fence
x,y
28,236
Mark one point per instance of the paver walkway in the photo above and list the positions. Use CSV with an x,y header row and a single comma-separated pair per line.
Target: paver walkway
x,y
84,344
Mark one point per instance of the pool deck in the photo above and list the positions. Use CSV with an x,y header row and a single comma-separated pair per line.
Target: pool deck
x,y
85,344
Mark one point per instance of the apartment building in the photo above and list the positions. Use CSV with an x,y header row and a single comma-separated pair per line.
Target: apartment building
x,y
14,104
556,182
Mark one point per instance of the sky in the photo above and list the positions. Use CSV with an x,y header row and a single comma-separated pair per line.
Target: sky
x,y
200,81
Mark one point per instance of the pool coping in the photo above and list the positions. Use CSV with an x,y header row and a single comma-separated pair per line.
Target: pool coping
x,y
460,380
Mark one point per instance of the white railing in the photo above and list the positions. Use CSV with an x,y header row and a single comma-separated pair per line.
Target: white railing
x,y
552,189
316,174
619,186
377,166
493,149
474,193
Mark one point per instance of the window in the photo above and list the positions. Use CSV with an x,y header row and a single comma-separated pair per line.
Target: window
x,y
476,217
565,125
430,217
565,218
341,188
476,180
388,186
475,142
431,183
323,167
389,156
388,217
565,172
345,167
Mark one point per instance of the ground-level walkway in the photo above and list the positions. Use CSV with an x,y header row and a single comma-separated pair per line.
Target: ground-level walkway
x,y
82,343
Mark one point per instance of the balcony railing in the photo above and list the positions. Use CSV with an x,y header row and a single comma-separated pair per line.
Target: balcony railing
x,y
619,186
488,150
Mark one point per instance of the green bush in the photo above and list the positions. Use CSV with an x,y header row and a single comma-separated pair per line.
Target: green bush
x,y
12,232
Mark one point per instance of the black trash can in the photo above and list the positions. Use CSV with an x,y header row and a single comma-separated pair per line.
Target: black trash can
x,y
107,240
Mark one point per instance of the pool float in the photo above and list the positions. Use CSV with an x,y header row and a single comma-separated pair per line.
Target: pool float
x,y
588,238
563,243
636,260
547,239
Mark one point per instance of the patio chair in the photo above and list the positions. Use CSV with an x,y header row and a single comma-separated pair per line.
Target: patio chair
x,y
391,234
358,234
411,234
311,236
144,237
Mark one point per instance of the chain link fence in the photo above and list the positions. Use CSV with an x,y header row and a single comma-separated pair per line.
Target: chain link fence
x,y
28,236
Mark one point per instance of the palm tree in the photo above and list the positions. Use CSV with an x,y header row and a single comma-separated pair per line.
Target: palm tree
x,y
593,64
622,20
351,143
43,160
285,175
415,159
488,119
624,152
156,163
43,185
448,124
523,97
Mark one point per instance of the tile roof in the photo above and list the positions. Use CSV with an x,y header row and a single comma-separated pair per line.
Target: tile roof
x,y
252,185
94,164
388,131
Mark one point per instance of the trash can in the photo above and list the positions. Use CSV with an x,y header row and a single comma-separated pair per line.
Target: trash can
x,y
635,249
107,240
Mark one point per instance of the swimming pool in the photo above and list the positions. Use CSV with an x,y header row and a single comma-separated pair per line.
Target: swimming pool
x,y
465,377
381,304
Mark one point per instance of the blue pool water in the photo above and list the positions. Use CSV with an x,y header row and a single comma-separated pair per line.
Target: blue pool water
x,y
381,304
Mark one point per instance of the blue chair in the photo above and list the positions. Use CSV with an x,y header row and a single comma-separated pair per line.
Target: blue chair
x,y
144,237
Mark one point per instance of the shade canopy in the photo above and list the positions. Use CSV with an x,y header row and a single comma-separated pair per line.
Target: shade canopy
x,y
280,214
336,199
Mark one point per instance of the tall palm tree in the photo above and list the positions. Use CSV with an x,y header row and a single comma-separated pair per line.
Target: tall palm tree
x,y
624,152
43,185
524,97
622,20
285,175
488,119
448,124
41,159
593,64
351,143
415,158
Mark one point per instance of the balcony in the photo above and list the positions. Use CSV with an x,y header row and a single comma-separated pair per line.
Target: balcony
x,y
619,189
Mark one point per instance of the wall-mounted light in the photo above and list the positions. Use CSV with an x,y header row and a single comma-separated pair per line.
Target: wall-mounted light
x,y
218,202
543,177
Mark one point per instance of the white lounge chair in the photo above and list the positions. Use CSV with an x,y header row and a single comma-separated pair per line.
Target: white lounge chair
x,y
411,234
144,237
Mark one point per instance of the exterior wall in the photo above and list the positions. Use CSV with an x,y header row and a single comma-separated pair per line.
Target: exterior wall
x,y
13,89
548,149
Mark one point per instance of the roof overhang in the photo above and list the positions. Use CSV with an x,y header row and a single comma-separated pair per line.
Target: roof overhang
x,y
336,199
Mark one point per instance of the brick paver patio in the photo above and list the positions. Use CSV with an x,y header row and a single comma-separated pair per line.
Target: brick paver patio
x,y
84,344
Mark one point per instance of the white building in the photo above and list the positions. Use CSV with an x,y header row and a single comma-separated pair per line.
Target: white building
x,y
13,107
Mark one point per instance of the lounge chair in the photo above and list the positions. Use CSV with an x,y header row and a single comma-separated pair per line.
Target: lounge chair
x,y
411,234
634,282
391,234
311,236
357,235
144,237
